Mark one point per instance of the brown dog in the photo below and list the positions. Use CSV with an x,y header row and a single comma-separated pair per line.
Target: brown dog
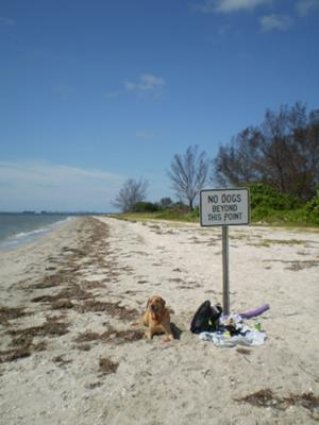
x,y
157,318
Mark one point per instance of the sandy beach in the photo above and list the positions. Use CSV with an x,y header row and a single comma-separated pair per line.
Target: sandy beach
x,y
69,355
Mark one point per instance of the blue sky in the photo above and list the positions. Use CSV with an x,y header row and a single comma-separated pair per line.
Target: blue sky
x,y
93,92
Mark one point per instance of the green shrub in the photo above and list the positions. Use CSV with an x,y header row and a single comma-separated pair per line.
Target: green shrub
x,y
141,207
271,206
268,198
312,209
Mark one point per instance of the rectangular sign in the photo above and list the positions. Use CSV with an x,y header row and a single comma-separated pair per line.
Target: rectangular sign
x,y
224,207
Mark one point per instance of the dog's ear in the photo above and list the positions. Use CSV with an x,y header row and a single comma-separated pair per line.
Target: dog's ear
x,y
163,302
148,302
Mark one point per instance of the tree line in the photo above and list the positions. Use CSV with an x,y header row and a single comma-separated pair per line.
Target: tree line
x,y
281,153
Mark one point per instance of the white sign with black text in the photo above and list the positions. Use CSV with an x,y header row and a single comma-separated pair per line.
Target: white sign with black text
x,y
224,207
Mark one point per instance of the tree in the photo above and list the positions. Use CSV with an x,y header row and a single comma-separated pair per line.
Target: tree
x,y
282,152
188,174
132,192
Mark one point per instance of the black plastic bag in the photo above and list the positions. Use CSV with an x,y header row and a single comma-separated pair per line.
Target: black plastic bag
x,y
206,318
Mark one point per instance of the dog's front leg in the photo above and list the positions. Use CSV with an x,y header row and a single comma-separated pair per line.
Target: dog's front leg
x,y
148,334
168,333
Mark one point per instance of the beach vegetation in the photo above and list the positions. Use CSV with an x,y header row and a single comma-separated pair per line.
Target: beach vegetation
x,y
141,207
277,160
312,209
268,206
282,152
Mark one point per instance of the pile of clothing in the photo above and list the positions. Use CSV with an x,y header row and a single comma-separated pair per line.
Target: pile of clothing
x,y
227,331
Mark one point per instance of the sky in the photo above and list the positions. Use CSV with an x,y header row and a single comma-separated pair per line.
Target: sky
x,y
94,92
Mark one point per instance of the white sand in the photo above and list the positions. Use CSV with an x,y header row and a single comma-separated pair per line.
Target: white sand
x,y
186,381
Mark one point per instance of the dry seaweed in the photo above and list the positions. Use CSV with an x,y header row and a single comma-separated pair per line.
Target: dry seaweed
x,y
61,361
65,291
122,337
14,354
50,281
266,398
10,313
52,327
107,366
72,292
243,350
21,348
113,309
111,335
87,337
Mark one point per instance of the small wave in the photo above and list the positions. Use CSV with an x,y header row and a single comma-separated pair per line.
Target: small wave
x,y
28,234
23,238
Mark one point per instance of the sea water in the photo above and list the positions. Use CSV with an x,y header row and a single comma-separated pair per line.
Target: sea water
x,y
20,229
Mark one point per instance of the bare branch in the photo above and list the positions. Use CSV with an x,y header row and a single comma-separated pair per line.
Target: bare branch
x,y
133,191
188,174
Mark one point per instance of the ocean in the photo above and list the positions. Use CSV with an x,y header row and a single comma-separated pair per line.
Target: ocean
x,y
17,229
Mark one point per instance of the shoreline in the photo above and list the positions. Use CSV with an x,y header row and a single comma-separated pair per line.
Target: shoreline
x,y
27,236
69,354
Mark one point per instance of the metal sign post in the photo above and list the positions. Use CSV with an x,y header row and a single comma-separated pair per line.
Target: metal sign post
x,y
226,302
225,207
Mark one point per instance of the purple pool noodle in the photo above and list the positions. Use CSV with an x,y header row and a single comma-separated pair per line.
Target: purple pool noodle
x,y
257,312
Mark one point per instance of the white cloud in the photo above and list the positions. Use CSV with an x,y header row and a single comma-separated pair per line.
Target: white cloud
x,y
276,22
147,83
304,7
56,187
228,6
